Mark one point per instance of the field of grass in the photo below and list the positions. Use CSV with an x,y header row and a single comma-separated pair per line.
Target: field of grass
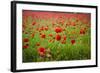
x,y
52,36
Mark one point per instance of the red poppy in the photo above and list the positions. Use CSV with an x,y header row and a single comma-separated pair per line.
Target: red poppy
x,y
41,51
46,28
58,29
26,40
25,46
82,31
43,35
73,41
50,35
64,38
58,37
33,23
39,29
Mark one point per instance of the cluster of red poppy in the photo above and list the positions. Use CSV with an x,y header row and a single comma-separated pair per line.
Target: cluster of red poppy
x,y
58,26
42,51
57,37
58,29
26,45
45,32
42,28
82,31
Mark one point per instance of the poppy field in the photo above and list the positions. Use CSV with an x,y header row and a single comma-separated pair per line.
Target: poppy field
x,y
55,36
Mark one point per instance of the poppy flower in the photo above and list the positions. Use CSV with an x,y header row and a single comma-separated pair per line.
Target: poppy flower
x,y
41,51
50,35
33,23
42,28
73,41
25,46
43,35
58,29
82,31
58,37
64,38
46,28
26,40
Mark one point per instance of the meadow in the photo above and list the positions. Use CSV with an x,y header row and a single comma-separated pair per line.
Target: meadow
x,y
55,36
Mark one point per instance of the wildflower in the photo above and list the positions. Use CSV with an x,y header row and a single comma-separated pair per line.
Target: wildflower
x,y
33,23
26,40
58,37
58,29
73,41
25,46
43,35
41,51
